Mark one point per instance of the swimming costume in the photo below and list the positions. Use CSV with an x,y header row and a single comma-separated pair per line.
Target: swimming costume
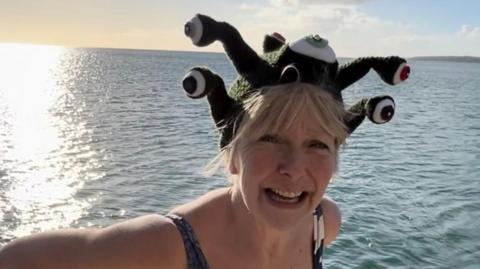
x,y
318,238
196,259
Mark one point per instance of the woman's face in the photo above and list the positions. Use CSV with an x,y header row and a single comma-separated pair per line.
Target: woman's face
x,y
283,176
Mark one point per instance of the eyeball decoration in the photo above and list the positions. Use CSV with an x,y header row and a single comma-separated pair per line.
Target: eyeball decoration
x,y
316,47
307,60
290,74
194,84
194,29
382,109
401,74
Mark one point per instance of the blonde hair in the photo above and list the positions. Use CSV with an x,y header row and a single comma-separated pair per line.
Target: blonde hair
x,y
274,109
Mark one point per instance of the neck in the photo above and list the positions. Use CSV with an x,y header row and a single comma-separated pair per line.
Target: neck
x,y
264,241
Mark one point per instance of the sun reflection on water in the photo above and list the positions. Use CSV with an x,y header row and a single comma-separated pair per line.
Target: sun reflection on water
x,y
45,157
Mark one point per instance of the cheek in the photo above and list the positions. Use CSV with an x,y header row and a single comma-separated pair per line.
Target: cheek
x,y
258,162
323,170
254,167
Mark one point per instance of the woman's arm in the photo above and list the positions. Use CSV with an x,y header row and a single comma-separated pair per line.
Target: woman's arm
x,y
332,219
146,242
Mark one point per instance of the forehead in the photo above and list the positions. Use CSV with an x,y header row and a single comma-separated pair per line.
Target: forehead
x,y
281,109
305,122
300,118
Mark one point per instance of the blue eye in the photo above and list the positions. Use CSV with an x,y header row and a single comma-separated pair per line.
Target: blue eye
x,y
269,139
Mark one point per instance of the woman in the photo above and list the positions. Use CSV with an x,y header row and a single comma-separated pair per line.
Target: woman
x,y
280,161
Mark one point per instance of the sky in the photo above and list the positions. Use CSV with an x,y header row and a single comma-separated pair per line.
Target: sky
x,y
354,28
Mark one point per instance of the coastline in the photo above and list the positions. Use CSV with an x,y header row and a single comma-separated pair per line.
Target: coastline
x,y
465,59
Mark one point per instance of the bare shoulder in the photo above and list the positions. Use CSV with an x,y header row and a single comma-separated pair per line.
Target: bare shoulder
x,y
145,242
150,241
332,219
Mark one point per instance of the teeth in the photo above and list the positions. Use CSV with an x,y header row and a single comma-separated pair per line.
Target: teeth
x,y
287,194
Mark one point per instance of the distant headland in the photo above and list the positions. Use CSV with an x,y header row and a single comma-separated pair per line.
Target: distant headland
x,y
468,59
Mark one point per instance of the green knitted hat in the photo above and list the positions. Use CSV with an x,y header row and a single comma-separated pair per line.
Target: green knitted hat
x,y
308,60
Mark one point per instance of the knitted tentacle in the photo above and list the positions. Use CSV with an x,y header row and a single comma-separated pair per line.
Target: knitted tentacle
x,y
392,70
230,126
221,104
379,109
204,30
355,115
273,42
200,82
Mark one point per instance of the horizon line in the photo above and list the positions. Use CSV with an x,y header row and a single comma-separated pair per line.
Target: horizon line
x,y
185,51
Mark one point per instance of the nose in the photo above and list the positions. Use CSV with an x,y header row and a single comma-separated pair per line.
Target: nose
x,y
293,165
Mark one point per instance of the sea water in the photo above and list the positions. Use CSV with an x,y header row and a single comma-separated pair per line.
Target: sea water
x,y
90,137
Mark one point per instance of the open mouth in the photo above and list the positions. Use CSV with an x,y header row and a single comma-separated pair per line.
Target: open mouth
x,y
285,196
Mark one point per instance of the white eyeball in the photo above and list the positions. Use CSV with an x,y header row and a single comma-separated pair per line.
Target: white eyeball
x,y
401,74
384,111
290,74
314,46
194,84
194,29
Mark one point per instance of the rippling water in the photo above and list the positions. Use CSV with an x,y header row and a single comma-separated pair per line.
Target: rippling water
x,y
92,136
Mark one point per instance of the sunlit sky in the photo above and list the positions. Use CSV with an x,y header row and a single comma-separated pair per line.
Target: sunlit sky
x,y
353,27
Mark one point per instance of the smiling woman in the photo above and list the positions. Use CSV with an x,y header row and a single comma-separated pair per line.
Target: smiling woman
x,y
38,178
301,141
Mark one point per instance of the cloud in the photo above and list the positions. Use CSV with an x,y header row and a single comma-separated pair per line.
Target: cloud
x,y
467,40
468,32
351,32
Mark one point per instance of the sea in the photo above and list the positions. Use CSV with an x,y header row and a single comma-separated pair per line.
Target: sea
x,y
90,137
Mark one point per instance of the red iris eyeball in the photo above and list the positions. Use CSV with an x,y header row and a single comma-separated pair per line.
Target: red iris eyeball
x,y
405,73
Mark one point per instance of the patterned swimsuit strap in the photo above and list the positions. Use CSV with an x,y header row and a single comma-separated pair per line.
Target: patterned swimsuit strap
x,y
195,257
318,238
